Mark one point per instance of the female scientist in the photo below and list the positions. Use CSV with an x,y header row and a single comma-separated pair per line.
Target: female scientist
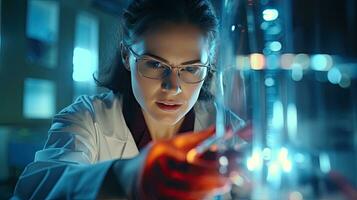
x,y
100,146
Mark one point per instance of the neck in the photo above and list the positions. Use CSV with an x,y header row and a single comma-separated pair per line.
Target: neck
x,y
159,130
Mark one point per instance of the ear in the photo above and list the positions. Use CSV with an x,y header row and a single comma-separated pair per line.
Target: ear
x,y
125,56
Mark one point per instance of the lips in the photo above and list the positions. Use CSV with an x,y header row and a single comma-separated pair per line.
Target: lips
x,y
168,105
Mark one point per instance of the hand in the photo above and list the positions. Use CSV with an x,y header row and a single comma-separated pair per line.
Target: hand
x,y
166,173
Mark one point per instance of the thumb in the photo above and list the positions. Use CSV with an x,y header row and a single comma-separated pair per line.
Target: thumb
x,y
190,140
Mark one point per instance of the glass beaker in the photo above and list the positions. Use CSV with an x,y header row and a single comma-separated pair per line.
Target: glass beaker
x,y
290,68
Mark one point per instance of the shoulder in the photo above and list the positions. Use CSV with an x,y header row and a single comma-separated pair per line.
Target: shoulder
x,y
95,122
94,105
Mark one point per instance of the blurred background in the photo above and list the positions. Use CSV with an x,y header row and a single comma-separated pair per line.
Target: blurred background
x,y
49,50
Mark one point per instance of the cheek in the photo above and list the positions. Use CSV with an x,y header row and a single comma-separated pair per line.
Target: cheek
x,y
192,92
143,88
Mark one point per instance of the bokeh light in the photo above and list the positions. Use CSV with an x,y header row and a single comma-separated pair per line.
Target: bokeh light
x,y
257,61
334,75
321,62
287,60
270,14
275,46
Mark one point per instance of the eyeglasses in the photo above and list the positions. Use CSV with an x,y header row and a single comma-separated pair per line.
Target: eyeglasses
x,y
154,68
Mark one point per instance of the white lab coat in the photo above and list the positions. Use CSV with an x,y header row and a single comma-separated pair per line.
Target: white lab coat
x,y
82,143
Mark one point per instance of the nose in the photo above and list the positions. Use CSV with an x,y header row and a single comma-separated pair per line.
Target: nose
x,y
171,84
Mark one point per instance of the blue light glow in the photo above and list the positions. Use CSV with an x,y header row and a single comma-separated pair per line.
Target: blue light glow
x,y
264,25
42,20
274,30
296,196
233,28
269,82
334,75
287,166
273,61
292,121
85,53
283,154
284,160
223,161
321,62
299,158
325,164
345,81
83,66
255,162
274,173
278,115
266,153
302,60
270,14
297,72
275,46
39,99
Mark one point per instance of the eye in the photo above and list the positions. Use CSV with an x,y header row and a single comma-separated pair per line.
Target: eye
x,y
154,64
191,69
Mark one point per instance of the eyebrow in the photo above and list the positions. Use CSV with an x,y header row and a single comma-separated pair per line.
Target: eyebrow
x,y
166,61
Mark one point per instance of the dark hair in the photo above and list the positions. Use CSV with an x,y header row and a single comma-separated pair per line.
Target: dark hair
x,y
144,15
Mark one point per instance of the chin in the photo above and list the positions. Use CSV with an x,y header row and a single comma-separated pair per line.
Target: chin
x,y
168,120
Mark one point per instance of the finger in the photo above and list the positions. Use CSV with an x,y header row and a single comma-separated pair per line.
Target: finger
x,y
165,189
188,180
178,171
190,140
232,159
195,191
200,182
163,149
174,194
209,159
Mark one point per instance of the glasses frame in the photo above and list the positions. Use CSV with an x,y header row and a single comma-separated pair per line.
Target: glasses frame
x,y
207,65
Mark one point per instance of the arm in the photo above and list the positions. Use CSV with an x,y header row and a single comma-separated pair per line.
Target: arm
x,y
67,167
57,180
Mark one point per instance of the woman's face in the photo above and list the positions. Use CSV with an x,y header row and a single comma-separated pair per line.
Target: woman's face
x,y
168,100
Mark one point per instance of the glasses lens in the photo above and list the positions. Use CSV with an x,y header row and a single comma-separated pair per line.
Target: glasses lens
x,y
193,74
152,68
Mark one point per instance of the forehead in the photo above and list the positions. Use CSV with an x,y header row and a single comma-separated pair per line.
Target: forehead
x,y
175,43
